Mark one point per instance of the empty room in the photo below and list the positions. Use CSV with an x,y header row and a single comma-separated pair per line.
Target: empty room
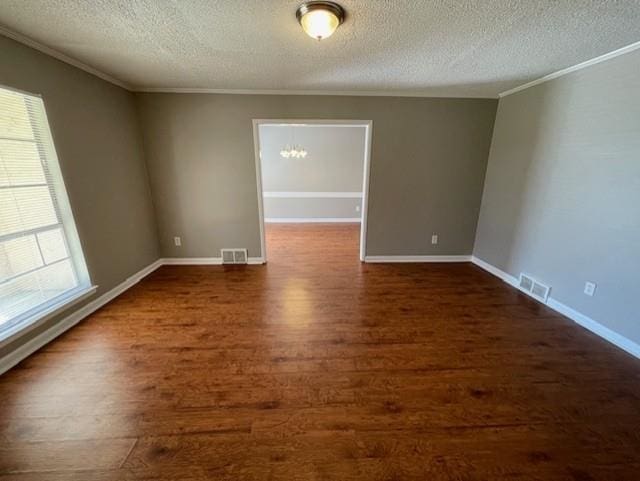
x,y
273,240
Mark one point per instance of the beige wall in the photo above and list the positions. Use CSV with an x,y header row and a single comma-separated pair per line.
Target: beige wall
x,y
562,194
427,168
97,137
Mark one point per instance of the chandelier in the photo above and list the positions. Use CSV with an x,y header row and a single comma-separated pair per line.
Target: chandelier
x,y
295,152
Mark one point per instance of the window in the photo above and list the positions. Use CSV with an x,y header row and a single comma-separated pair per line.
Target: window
x,y
41,262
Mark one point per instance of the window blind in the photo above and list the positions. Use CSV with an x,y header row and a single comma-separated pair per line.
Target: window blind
x,y
41,261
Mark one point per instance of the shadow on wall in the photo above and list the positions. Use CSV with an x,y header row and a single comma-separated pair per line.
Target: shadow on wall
x,y
527,148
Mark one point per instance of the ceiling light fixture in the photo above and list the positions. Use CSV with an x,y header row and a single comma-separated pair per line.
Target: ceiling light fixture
x,y
320,19
295,152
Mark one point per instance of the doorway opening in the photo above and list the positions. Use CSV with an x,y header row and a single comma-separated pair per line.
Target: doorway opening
x,y
313,172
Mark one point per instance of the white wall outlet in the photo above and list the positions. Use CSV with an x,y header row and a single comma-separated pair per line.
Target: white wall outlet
x,y
590,288
357,208
177,241
434,239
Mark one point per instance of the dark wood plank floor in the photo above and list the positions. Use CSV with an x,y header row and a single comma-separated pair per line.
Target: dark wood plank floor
x,y
317,367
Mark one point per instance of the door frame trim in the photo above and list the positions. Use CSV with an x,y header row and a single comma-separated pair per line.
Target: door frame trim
x,y
367,124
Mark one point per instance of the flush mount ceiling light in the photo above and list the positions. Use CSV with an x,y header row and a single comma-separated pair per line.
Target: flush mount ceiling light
x,y
320,19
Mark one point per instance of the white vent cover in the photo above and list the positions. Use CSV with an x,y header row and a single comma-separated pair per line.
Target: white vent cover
x,y
234,256
534,288
526,283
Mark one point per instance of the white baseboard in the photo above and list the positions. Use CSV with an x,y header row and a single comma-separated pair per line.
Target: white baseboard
x,y
307,220
204,261
508,278
585,321
134,279
389,259
312,195
595,327
191,261
312,220
31,346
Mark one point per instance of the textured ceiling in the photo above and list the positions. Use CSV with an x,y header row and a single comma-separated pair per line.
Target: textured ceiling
x,y
426,47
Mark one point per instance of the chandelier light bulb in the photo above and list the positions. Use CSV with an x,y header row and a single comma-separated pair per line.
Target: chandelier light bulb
x,y
296,152
286,152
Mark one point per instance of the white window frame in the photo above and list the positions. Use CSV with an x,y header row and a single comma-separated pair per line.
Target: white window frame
x,y
38,315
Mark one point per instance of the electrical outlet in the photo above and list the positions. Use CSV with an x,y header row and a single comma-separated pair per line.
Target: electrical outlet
x,y
590,288
434,239
357,208
177,241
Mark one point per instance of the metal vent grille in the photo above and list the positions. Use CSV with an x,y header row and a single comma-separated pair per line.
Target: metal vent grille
x,y
234,256
540,291
240,256
534,288
526,283
227,256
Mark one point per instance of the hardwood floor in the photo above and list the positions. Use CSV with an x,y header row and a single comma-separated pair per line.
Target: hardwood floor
x,y
318,367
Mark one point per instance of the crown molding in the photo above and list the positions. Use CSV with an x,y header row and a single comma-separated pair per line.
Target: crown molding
x,y
18,37
574,68
29,42
341,93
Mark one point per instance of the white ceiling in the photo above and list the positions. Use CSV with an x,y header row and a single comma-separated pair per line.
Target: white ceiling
x,y
424,47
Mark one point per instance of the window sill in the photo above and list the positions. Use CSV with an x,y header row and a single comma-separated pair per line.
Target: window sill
x,y
46,312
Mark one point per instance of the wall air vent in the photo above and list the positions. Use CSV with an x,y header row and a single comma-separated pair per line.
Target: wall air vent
x,y
526,283
234,256
534,288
